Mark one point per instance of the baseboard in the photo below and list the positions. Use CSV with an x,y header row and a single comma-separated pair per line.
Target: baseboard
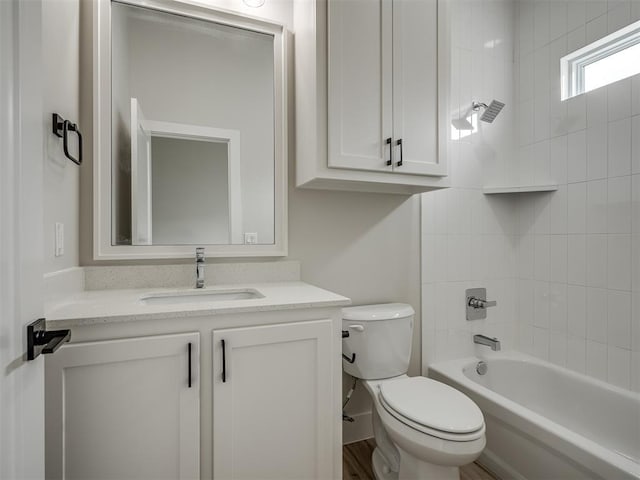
x,y
360,429
498,467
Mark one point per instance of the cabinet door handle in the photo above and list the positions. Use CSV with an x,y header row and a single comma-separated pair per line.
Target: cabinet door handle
x,y
390,161
189,351
399,143
224,362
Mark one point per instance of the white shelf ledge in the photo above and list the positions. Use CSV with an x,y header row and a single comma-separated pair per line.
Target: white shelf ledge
x,y
520,189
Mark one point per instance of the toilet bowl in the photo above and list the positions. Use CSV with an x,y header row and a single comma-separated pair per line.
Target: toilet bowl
x,y
424,429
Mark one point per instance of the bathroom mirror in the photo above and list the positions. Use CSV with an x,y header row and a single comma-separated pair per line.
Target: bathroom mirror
x,y
189,118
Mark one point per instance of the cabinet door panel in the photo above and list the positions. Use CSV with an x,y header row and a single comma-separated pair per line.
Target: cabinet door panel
x,y
123,409
359,84
273,416
415,86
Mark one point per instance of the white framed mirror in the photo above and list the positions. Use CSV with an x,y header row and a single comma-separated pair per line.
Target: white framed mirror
x,y
189,132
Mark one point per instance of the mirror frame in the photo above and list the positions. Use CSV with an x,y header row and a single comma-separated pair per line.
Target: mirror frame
x,y
103,220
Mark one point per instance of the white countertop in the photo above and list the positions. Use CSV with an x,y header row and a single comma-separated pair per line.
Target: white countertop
x,y
108,306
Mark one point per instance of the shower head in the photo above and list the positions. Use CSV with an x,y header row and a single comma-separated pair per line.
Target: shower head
x,y
491,111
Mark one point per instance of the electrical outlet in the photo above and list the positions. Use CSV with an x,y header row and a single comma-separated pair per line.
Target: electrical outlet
x,y
250,238
59,242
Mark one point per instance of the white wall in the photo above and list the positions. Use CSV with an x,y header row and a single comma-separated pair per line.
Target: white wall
x,y
190,201
60,44
579,248
468,238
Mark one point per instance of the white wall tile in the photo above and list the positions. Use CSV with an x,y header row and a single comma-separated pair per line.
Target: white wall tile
x,y
541,304
577,208
576,113
635,143
596,356
557,19
576,354
541,343
618,95
558,158
595,8
576,260
619,17
597,261
597,152
596,29
619,205
597,112
540,24
558,205
619,319
635,204
558,307
558,349
577,311
577,156
635,92
576,14
619,156
597,314
619,367
635,324
558,258
597,206
619,262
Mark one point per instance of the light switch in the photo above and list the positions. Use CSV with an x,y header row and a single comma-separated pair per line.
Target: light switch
x,y
59,243
250,238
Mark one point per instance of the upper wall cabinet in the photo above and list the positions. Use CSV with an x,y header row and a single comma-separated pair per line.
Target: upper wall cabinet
x,y
190,144
371,91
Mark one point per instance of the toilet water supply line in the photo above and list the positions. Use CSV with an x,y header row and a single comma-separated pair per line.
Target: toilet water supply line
x,y
345,417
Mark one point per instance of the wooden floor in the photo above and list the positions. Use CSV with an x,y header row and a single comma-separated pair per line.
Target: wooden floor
x,y
356,464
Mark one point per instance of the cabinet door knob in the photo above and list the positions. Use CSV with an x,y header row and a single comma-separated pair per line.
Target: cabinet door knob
x,y
390,161
399,143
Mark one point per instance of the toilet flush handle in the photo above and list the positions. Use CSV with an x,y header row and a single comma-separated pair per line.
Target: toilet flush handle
x,y
357,328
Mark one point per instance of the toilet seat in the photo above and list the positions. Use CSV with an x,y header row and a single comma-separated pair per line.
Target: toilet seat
x,y
432,408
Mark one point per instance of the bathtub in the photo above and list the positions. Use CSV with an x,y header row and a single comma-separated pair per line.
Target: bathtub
x,y
545,422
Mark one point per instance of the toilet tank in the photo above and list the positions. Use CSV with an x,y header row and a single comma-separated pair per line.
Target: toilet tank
x,y
380,336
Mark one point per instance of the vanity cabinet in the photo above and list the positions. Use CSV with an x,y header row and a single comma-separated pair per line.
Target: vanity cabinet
x,y
273,401
371,95
126,408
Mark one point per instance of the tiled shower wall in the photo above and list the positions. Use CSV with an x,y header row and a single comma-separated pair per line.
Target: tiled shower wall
x,y
564,266
469,239
579,248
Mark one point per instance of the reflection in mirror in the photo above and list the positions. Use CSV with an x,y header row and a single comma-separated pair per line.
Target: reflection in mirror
x,y
192,130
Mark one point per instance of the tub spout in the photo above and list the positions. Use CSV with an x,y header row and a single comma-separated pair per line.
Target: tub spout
x,y
494,343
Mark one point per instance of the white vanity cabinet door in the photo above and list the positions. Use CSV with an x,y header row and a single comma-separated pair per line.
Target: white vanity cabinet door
x,y
415,88
273,414
360,84
121,409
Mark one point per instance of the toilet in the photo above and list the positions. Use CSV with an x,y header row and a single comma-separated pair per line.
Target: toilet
x,y
423,429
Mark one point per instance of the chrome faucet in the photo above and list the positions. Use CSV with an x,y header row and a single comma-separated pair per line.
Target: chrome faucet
x,y
199,267
494,343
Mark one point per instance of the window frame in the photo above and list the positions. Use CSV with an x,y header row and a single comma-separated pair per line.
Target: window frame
x,y
573,65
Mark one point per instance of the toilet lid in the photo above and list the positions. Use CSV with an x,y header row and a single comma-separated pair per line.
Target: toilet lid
x,y
432,404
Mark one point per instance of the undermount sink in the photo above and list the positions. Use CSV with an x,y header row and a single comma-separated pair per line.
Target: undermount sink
x,y
205,296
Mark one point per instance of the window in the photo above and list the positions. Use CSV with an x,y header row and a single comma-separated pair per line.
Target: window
x,y
605,61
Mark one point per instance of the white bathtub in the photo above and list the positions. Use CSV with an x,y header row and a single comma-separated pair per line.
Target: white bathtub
x,y
545,422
